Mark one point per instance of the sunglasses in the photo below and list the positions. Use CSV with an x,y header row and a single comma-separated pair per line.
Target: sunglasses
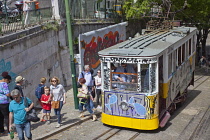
x,y
53,81
15,98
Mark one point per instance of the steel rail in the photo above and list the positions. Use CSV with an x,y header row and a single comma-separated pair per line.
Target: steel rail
x,y
194,132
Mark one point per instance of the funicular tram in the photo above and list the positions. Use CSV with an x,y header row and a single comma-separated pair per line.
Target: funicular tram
x,y
160,67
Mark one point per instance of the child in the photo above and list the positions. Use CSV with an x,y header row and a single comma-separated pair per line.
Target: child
x,y
40,89
46,105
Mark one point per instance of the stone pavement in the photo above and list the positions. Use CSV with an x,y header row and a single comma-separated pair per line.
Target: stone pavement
x,y
40,130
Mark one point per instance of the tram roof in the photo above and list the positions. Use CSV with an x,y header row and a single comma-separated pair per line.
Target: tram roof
x,y
150,44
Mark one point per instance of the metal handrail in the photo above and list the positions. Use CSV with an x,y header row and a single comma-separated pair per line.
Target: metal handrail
x,y
13,22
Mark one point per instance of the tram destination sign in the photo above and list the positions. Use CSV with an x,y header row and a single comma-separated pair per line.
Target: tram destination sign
x,y
128,60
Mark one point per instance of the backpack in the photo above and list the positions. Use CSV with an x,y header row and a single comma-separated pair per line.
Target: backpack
x,y
38,91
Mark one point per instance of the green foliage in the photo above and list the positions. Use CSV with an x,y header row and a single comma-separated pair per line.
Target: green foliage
x,y
198,11
136,10
75,41
51,26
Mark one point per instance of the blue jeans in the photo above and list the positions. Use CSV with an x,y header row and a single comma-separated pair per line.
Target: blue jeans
x,y
24,127
91,104
86,104
90,101
58,112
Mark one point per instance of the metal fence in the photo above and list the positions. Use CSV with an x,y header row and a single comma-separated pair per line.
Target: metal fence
x,y
80,12
11,23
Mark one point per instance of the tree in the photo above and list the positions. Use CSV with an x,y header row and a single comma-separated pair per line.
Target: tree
x,y
197,13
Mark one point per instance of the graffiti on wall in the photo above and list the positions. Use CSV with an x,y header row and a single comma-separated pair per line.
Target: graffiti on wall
x,y
6,66
96,44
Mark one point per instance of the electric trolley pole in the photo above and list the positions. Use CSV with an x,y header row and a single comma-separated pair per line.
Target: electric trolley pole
x,y
73,71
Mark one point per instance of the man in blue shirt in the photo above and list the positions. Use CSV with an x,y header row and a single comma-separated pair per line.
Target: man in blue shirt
x,y
18,112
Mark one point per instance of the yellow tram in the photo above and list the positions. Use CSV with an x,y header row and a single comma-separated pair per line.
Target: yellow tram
x,y
144,77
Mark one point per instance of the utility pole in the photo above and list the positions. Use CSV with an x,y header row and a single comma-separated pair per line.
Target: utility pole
x,y
73,72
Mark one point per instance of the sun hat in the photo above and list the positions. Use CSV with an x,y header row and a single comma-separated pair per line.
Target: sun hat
x,y
19,79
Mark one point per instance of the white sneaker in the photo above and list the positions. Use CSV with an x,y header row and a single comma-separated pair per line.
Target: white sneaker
x,y
48,122
99,107
94,118
58,125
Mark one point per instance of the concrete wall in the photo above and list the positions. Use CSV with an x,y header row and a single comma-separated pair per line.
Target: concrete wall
x,y
34,56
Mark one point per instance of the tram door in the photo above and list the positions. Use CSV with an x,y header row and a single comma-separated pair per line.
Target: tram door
x,y
162,101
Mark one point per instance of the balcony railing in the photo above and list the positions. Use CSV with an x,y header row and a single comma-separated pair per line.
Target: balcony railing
x,y
11,22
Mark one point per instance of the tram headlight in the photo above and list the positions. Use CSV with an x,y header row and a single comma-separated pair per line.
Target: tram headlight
x,y
124,106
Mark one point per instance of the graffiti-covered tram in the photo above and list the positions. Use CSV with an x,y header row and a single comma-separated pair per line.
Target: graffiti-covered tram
x,y
160,67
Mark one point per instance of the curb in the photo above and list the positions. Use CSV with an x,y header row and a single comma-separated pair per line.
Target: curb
x,y
57,130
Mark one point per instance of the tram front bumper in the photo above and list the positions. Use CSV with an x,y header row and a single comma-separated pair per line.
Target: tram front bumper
x,y
142,124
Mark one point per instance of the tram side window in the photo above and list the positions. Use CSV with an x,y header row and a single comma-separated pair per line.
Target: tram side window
x,y
176,58
170,65
193,46
106,76
190,47
187,49
145,77
153,77
174,61
183,52
179,56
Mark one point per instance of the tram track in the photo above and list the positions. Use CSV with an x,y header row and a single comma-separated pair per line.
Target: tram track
x,y
203,118
135,136
198,78
110,133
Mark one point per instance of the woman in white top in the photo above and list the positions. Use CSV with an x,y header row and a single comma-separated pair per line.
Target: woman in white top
x,y
58,93
85,102
98,89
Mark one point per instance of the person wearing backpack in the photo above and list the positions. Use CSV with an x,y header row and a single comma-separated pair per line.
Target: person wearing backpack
x,y
19,83
40,89
87,75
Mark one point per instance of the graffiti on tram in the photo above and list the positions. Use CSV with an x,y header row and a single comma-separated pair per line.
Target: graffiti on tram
x,y
130,105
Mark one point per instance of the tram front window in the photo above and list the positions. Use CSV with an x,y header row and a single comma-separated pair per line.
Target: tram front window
x,y
130,77
124,77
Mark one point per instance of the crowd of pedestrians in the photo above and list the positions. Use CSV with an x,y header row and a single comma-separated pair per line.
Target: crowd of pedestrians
x,y
13,110
91,87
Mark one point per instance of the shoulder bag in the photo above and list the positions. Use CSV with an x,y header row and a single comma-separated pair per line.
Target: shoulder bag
x,y
30,115
55,104
82,95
